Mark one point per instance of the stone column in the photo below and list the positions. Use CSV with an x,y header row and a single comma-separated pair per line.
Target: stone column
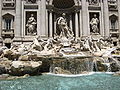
x,y
4,24
23,20
71,22
43,19
0,17
47,22
119,18
80,20
50,24
18,19
85,17
54,23
12,24
102,19
39,19
76,25
106,17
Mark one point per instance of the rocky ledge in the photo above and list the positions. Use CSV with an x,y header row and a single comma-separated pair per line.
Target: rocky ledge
x,y
19,67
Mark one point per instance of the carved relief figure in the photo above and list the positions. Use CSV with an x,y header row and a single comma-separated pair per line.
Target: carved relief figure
x,y
31,25
64,30
94,24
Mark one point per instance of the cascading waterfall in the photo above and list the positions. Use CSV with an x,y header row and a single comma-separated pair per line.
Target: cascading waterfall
x,y
95,66
79,65
71,65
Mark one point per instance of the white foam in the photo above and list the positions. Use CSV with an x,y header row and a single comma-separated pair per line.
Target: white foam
x,y
79,75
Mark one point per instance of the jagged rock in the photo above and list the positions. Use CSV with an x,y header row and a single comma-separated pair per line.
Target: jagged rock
x,y
25,67
23,58
101,66
4,76
8,54
114,67
2,70
117,73
59,70
2,49
5,66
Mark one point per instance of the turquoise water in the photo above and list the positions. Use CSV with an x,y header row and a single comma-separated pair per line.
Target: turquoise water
x,y
49,82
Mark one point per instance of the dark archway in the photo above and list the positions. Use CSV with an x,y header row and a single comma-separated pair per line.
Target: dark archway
x,y
62,4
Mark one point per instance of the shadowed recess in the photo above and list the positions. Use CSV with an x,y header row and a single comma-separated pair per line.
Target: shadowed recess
x,y
62,4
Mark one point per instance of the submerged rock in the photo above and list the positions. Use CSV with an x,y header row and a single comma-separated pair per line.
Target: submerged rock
x,y
117,73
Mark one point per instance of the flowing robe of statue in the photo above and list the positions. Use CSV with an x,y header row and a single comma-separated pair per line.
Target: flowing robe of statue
x,y
94,24
31,25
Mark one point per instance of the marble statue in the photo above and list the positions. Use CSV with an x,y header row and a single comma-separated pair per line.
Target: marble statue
x,y
31,25
65,31
94,24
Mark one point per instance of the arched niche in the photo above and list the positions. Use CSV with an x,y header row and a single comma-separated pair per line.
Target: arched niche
x,y
72,15
113,21
7,21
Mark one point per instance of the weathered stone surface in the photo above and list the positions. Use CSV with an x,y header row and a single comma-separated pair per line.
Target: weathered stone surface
x,y
5,66
117,73
23,58
25,67
59,70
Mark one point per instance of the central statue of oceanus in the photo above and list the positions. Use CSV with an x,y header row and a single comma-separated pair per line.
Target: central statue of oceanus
x,y
62,27
63,32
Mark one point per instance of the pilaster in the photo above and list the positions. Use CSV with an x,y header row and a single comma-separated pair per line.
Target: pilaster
x,y
54,23
102,20
85,18
106,18
18,20
76,25
43,19
50,23
119,19
47,23
71,22
0,17
39,19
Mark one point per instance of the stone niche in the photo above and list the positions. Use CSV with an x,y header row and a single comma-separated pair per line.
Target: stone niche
x,y
94,22
31,23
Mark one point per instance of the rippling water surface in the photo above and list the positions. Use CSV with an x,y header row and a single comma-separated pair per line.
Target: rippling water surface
x,y
50,82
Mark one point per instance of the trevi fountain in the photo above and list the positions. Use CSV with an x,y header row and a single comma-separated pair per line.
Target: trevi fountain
x,y
62,62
